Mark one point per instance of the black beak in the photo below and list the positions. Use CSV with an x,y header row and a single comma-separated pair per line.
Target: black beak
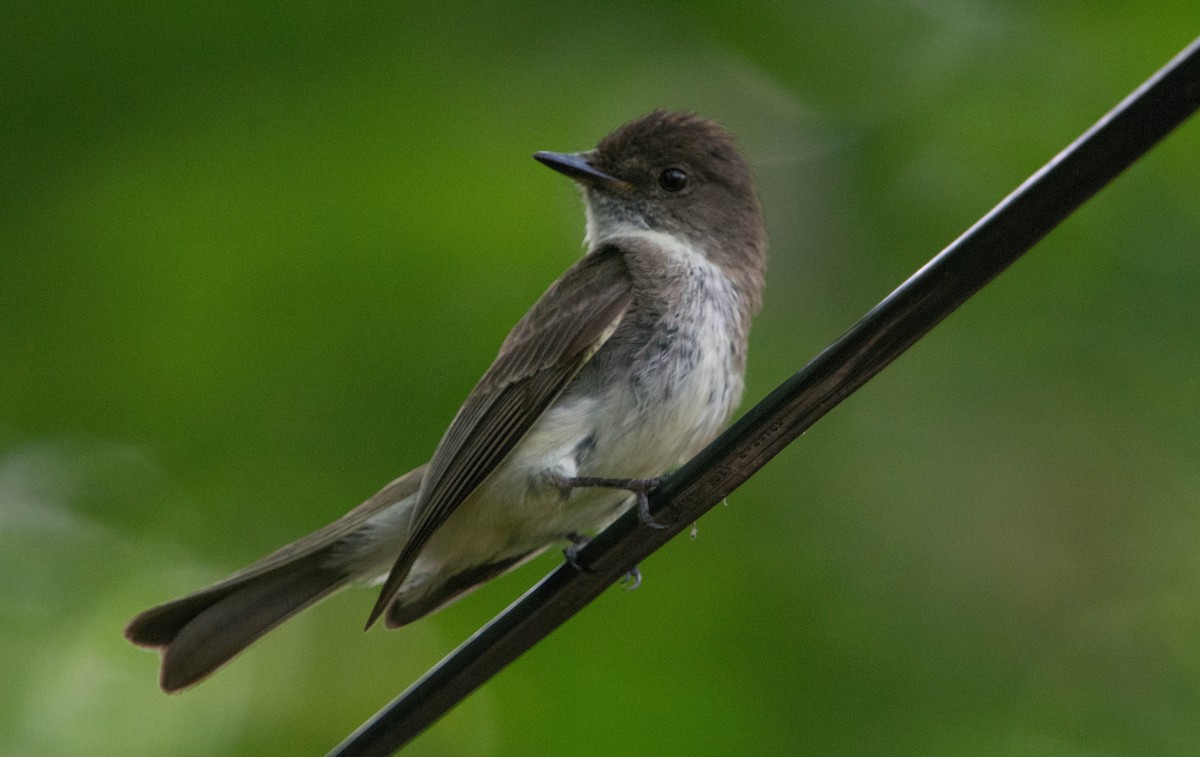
x,y
577,167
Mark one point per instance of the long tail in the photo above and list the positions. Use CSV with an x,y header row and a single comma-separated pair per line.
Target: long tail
x,y
202,631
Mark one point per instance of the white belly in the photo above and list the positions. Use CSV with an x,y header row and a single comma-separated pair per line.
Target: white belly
x,y
660,389
615,421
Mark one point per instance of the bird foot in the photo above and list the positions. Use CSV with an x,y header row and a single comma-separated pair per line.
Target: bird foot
x,y
632,579
639,486
571,551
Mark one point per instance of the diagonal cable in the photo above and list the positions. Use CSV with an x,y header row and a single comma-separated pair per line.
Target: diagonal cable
x,y
997,240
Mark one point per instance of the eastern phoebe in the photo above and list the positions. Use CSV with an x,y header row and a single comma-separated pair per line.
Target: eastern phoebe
x,y
627,366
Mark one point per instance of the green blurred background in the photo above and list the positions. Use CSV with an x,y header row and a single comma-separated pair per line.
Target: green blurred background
x,y
253,256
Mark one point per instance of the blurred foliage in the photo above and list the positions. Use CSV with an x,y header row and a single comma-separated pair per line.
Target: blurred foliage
x,y
253,256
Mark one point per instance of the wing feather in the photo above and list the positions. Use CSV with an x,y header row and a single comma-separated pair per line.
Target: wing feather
x,y
541,355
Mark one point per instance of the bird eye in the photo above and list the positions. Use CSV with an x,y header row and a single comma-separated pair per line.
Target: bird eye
x,y
672,179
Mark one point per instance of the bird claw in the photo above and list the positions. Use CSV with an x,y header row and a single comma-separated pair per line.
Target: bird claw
x,y
571,551
632,579
644,515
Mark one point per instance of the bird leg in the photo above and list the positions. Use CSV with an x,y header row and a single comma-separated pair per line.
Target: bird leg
x,y
639,486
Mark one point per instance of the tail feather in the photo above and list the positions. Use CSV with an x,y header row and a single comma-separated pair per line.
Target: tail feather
x,y
202,631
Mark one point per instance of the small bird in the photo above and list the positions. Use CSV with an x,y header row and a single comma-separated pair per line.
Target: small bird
x,y
627,366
